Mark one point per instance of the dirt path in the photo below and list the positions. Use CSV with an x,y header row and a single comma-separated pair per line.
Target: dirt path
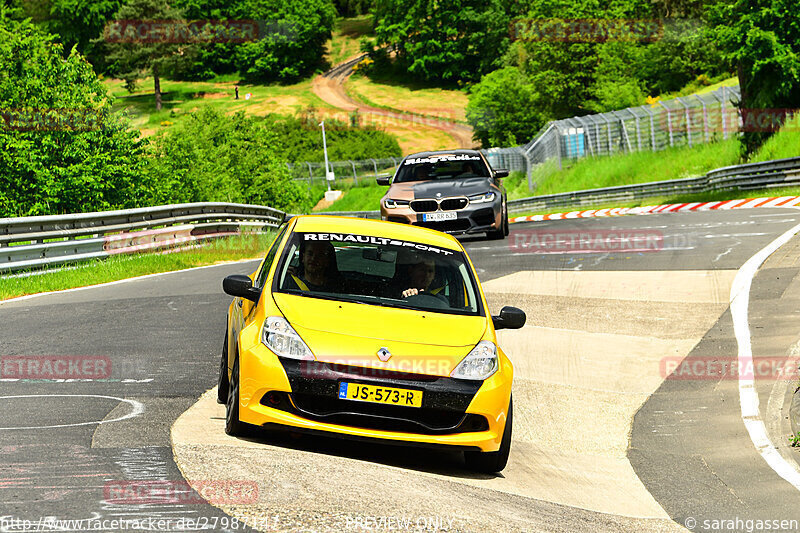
x,y
330,87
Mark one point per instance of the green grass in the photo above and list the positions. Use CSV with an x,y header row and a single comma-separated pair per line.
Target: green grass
x,y
344,42
128,266
359,199
180,98
785,143
727,82
627,169
423,101
637,167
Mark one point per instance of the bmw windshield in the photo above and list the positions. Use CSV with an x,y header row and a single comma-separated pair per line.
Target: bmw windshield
x,y
445,166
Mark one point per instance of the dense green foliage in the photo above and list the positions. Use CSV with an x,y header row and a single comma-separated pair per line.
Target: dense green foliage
x,y
569,77
352,8
447,40
291,43
300,140
129,58
502,109
762,38
93,160
214,157
74,22
89,160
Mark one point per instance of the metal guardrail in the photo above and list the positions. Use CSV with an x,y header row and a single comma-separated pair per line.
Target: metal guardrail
x,y
769,174
777,173
34,242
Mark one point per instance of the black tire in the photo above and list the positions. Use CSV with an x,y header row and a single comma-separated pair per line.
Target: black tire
x,y
234,426
222,382
506,229
492,462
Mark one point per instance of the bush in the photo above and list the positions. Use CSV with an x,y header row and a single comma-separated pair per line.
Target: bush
x,y
300,139
502,109
213,157
293,44
87,161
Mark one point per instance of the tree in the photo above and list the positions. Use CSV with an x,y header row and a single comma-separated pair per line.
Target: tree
x,y
762,39
447,40
502,109
290,44
214,157
61,149
130,51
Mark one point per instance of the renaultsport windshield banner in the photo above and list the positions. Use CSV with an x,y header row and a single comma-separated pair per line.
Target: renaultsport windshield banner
x,y
367,239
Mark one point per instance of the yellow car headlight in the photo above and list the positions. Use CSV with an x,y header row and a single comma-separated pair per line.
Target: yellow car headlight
x,y
280,337
479,364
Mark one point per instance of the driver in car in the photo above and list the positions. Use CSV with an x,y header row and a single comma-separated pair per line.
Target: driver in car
x,y
416,275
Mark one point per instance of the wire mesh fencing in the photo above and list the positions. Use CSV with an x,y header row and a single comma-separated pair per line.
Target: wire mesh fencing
x,y
683,121
354,172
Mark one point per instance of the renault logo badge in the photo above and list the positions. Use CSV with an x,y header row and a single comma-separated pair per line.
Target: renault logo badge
x,y
384,354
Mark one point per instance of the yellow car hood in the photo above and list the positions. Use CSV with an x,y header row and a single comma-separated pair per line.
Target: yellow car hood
x,y
352,334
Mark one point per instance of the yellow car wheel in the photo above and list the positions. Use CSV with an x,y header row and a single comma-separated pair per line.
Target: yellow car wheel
x,y
222,382
234,426
491,462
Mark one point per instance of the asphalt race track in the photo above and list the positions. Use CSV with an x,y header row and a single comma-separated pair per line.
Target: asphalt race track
x,y
611,433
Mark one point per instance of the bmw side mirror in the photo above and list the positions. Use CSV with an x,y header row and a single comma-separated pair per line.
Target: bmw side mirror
x,y
241,287
383,180
509,318
502,173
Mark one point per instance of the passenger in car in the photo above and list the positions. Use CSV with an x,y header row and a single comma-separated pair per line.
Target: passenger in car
x,y
421,173
317,270
468,170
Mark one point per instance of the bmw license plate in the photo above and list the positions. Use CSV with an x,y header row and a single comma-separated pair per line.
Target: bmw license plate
x,y
373,394
438,217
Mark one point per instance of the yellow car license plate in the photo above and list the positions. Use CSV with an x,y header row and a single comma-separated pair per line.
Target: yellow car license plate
x,y
373,394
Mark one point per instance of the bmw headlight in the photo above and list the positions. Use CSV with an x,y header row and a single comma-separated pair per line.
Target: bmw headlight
x,y
281,338
391,203
482,198
480,363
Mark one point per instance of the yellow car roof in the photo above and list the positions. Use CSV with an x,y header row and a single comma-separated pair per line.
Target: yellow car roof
x,y
375,228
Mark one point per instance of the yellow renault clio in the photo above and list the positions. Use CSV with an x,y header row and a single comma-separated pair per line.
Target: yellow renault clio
x,y
369,330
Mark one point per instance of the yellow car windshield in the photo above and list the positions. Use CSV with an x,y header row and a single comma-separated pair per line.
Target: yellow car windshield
x,y
378,271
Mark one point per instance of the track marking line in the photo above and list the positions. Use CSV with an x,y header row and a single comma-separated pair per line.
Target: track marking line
x,y
137,408
748,396
741,203
126,280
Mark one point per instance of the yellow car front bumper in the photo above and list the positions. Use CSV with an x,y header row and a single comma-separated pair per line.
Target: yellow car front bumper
x,y
262,372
